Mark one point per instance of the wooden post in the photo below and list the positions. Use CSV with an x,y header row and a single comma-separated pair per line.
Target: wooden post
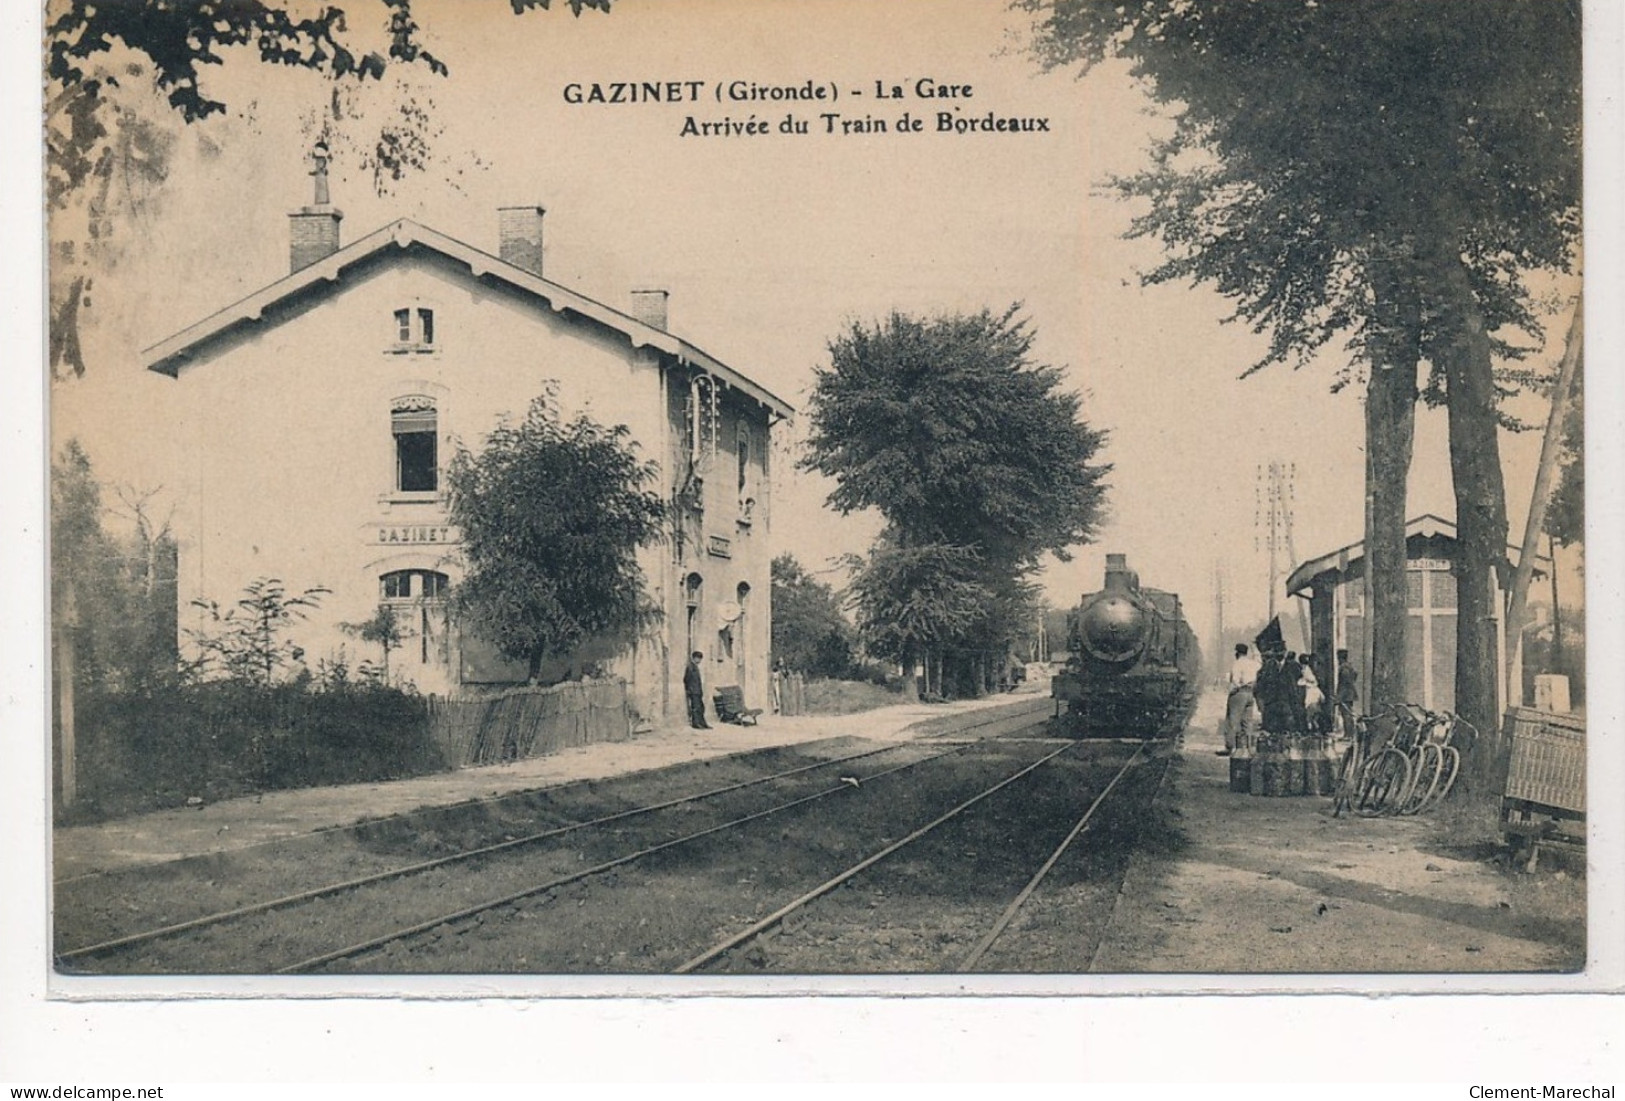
x,y
1541,495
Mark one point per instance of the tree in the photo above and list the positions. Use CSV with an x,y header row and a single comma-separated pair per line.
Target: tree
x,y
914,601
950,431
1384,170
809,632
384,628
249,640
112,596
977,459
1566,516
552,515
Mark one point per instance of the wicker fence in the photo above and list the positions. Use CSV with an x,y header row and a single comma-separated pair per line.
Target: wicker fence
x,y
530,722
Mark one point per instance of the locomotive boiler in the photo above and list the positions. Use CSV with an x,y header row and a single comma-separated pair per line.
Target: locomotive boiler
x,y
1133,665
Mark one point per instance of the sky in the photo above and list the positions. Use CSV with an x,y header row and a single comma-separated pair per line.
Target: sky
x,y
771,244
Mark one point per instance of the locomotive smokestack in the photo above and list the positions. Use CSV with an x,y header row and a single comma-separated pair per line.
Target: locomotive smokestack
x,y
1118,575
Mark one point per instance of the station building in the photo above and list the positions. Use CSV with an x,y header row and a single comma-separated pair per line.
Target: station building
x,y
320,414
1333,584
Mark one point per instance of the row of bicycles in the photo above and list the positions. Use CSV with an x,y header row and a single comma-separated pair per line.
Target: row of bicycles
x,y
1401,759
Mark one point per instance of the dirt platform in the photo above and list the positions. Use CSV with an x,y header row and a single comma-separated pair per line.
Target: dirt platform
x,y
1243,884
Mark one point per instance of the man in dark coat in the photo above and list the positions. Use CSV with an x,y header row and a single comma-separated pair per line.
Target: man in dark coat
x,y
1348,691
694,689
1291,674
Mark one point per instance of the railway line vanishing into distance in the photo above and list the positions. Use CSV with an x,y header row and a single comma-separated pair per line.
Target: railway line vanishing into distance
x,y
822,865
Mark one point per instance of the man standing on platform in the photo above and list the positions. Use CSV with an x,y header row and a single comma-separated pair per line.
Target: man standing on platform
x,y
1291,675
1348,692
1238,707
694,689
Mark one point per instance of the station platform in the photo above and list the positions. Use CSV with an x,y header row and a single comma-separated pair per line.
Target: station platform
x,y
1245,884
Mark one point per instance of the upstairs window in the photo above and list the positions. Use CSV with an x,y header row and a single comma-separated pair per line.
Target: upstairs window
x,y
414,328
747,476
414,424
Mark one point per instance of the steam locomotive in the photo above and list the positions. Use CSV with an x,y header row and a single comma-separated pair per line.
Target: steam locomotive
x,y
1133,666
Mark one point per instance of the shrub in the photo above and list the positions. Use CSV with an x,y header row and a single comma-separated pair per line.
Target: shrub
x,y
216,739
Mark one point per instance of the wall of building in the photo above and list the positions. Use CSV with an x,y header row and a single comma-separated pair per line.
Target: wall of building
x,y
1338,620
724,542
290,422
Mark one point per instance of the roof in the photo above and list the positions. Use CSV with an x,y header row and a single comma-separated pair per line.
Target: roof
x,y
1425,525
169,355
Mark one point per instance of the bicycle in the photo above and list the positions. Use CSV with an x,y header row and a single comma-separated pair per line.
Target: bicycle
x,y
1449,738
1369,779
1416,767
1376,781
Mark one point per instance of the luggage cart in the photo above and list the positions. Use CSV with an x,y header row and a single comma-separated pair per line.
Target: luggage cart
x,y
1545,800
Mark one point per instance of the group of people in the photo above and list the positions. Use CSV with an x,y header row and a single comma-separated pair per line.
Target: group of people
x,y
1280,691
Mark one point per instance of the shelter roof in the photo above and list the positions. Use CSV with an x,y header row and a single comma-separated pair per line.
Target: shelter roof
x,y
1426,525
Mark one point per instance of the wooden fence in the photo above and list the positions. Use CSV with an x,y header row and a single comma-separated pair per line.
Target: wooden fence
x,y
530,722
789,693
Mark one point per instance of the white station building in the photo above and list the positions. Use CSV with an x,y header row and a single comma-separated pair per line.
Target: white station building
x,y
322,412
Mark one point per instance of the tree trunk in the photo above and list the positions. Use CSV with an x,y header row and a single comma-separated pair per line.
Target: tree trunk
x,y
1518,598
1390,431
1481,519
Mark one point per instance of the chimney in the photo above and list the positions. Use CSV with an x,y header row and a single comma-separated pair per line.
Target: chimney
x,y
519,236
313,231
649,307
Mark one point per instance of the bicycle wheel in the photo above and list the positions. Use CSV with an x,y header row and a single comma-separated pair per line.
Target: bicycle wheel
x,y
1347,779
1388,775
1424,778
1449,769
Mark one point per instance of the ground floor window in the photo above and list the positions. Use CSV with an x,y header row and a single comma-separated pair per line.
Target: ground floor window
x,y
418,600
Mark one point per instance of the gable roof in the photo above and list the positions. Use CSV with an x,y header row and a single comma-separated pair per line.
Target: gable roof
x,y
1426,524
168,356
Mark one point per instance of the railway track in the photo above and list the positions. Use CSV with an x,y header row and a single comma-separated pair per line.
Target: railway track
x,y
737,945
525,876
492,945
108,951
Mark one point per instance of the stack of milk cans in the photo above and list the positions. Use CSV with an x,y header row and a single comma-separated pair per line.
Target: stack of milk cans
x,y
1283,764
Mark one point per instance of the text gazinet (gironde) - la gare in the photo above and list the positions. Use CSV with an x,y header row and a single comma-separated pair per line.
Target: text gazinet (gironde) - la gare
x,y
1518,1093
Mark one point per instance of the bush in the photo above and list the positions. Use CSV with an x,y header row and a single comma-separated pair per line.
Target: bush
x,y
874,672
844,697
213,740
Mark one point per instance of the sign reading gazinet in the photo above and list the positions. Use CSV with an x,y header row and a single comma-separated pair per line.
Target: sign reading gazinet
x,y
418,533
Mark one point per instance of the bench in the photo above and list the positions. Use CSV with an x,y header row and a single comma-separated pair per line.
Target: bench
x,y
730,704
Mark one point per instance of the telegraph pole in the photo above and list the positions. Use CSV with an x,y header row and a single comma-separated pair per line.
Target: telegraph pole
x,y
1273,497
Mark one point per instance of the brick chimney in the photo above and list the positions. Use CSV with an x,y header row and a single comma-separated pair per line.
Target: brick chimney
x,y
313,231
649,307
519,236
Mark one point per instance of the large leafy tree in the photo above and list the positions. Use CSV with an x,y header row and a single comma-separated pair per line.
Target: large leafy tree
x,y
973,453
1385,171
950,431
552,514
